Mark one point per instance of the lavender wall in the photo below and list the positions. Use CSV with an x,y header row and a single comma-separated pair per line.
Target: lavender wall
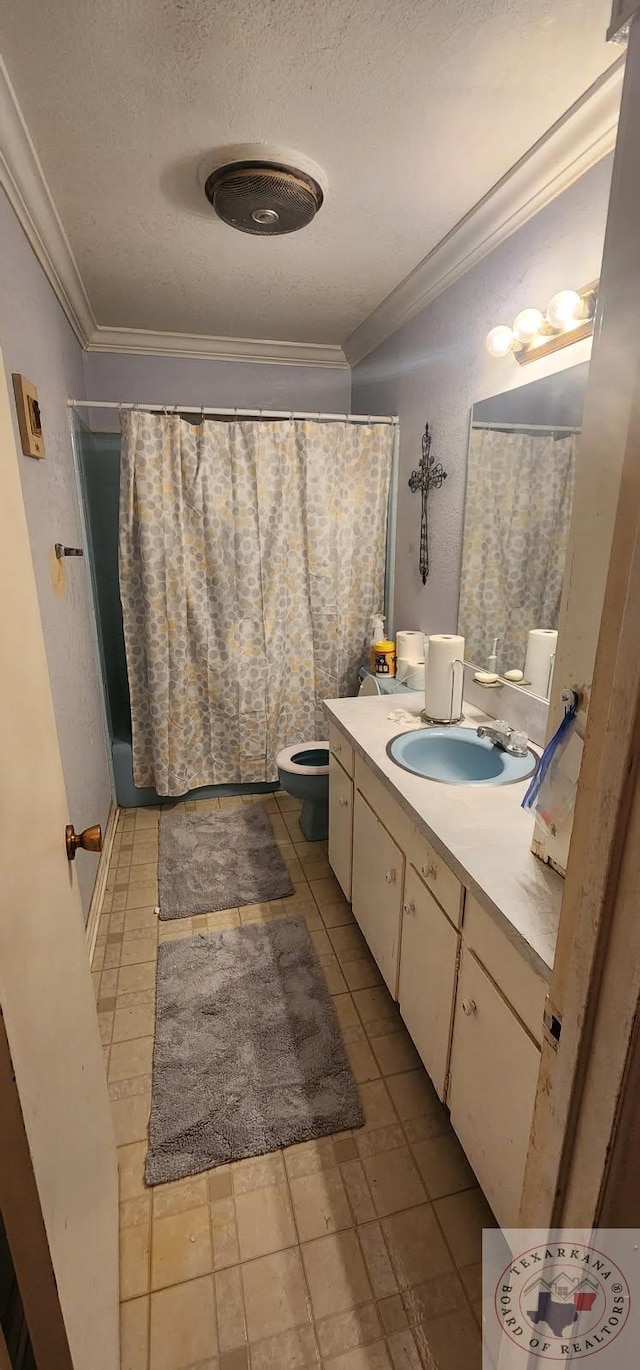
x,y
436,367
195,381
37,341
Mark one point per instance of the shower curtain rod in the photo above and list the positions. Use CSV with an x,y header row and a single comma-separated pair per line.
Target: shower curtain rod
x,y
527,427
235,413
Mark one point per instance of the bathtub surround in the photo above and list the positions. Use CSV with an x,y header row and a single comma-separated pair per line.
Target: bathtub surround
x,y
252,556
218,860
248,1053
38,342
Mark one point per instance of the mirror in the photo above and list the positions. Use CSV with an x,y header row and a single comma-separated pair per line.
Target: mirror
x,y
523,448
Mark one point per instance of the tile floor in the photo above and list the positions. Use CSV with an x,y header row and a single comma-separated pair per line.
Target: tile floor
x,y
357,1252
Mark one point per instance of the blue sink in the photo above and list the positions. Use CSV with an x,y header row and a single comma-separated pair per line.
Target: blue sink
x,y
457,756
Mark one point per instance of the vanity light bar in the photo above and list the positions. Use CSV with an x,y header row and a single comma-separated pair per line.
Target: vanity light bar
x,y
568,318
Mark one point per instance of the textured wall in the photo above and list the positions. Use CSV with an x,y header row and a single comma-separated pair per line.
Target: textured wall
x,y
37,341
437,366
195,381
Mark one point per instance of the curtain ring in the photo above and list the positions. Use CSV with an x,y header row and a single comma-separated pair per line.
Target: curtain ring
x,y
202,413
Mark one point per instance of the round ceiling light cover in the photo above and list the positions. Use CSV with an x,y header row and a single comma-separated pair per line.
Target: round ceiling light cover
x,y
263,197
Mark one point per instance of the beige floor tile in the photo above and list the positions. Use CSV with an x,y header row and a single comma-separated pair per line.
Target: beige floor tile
x,y
335,1273
292,1350
327,892
346,1010
131,1058
139,909
344,1331
449,1342
137,1021
394,1181
413,1094
142,975
143,853
416,1246
374,1357
359,1194
320,940
320,1204
462,1218
345,1148
144,872
336,983
135,1212
306,1157
433,1298
361,972
223,918
134,1334
131,1117
265,1221
395,1053
392,1314
131,1161
379,1268
436,1124
377,1106
362,1060
179,1196
138,949
347,941
183,1326
371,1141
181,1247
232,1331
219,1183
472,1280
404,1352
443,1166
224,1233
337,915
256,1174
275,1295
375,1004
134,1261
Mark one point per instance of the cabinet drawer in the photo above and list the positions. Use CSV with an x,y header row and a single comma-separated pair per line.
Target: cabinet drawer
x,y
493,1077
341,749
340,824
436,874
428,970
521,985
376,890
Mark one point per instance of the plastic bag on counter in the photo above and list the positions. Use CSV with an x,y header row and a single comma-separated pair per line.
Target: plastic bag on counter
x,y
552,792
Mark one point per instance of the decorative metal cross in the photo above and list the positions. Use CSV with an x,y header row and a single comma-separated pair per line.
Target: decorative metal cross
x,y
429,476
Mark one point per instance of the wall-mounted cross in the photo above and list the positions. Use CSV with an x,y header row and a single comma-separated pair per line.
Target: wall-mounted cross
x,y
429,476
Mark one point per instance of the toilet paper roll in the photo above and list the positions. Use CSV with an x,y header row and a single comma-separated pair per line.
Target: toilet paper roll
x,y
415,675
410,645
444,680
541,646
403,664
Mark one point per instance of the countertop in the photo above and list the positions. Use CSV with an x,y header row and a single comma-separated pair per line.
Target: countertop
x,y
480,831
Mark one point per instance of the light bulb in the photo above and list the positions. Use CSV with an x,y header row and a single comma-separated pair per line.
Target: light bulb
x,y
500,341
527,324
564,310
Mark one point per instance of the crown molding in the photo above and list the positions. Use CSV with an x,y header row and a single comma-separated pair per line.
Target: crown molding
x,y
23,180
147,342
582,137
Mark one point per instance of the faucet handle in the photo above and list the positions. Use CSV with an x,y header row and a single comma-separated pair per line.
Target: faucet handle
x,y
519,743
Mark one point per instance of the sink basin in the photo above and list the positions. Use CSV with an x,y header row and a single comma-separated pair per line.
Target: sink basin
x,y
457,756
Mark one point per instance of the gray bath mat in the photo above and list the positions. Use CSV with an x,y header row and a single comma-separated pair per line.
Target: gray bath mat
x,y
219,860
248,1052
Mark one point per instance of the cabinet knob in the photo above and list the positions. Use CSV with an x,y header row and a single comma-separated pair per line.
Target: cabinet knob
x,y
337,749
390,877
409,907
429,872
469,1007
343,802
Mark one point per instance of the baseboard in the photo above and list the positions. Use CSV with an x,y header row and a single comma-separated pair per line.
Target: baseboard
x,y
91,931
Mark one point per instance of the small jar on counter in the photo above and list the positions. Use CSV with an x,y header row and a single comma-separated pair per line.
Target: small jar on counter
x,y
384,658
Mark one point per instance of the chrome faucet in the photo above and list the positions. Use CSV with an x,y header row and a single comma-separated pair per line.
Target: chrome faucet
x,y
505,737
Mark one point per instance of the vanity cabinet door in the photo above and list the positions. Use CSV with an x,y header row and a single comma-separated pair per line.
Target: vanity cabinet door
x,y
376,889
340,824
493,1077
428,969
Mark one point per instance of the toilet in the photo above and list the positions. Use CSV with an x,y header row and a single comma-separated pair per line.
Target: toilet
x,y
303,771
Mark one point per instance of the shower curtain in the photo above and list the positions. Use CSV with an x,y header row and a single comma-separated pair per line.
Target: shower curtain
x,y
252,555
517,513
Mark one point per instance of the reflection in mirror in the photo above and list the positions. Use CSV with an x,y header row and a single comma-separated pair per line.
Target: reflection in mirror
x,y
523,449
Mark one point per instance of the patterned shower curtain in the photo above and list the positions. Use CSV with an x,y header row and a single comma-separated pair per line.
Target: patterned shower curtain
x,y
252,555
517,513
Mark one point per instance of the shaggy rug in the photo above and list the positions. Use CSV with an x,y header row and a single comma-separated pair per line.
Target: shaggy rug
x,y
219,860
249,1055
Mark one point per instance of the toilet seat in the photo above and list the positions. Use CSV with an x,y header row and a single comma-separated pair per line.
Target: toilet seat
x,y
285,758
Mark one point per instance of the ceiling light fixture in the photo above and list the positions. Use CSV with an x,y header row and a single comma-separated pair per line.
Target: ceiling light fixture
x,y
569,316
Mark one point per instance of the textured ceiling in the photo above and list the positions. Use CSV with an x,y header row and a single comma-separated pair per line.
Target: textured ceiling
x,y
414,108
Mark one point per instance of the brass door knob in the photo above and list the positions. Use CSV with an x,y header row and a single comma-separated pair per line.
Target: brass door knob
x,y
89,840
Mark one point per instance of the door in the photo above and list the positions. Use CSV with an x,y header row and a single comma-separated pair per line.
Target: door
x,y
340,824
493,1077
376,895
428,969
53,1092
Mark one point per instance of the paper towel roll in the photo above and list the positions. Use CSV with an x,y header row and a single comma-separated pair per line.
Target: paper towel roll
x,y
444,681
414,678
410,645
541,646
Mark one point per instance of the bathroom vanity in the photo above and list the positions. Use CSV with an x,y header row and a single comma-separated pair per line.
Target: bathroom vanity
x,y
461,919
